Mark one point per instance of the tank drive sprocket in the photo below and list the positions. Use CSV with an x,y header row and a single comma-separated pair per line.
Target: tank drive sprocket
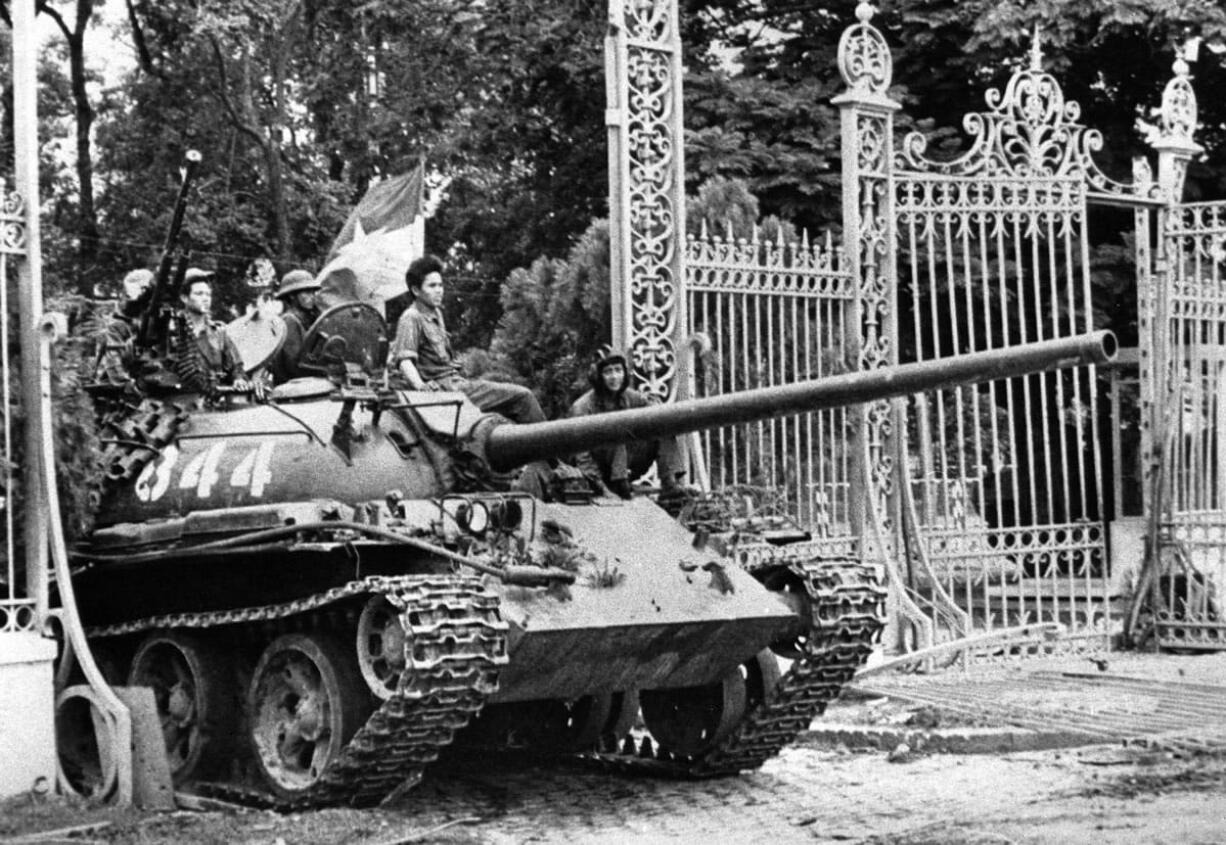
x,y
846,603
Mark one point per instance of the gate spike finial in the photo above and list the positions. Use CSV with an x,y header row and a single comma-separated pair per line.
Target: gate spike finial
x,y
1036,50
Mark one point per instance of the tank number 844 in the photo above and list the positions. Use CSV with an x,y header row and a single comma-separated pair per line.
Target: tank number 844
x,y
201,472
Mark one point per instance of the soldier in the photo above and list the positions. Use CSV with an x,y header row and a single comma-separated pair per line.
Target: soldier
x,y
421,352
615,467
116,357
215,350
297,294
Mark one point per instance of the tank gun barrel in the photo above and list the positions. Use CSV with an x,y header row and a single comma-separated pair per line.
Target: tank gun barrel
x,y
509,446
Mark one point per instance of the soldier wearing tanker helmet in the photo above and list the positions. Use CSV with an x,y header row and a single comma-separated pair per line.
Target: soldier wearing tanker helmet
x,y
615,467
297,292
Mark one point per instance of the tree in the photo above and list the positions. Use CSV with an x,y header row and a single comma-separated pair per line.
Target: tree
x,y
556,312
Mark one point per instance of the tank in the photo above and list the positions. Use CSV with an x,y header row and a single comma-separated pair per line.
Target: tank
x,y
328,589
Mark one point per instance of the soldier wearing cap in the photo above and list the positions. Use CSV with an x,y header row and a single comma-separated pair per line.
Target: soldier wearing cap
x,y
216,349
297,293
614,467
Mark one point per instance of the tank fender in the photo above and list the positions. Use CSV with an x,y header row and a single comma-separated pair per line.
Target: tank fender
x,y
219,521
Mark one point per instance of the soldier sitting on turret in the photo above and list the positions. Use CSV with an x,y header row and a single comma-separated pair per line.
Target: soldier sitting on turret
x,y
206,357
297,293
421,352
615,467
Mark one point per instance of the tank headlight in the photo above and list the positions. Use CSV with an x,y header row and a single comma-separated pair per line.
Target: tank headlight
x,y
506,515
473,517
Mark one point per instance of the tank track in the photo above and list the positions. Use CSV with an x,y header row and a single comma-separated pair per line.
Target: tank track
x,y
455,645
847,616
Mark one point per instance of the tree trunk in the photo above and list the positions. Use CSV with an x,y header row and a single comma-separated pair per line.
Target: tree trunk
x,y
87,215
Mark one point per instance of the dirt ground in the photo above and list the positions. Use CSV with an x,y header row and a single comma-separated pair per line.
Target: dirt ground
x,y
810,793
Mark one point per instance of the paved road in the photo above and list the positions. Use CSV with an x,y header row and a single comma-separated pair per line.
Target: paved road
x,y
812,795
1092,795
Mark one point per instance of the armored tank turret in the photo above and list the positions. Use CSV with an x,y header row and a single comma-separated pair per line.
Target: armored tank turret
x,y
326,589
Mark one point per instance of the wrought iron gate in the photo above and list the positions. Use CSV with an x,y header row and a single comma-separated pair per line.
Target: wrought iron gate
x,y
775,313
1189,384
1006,478
986,503
996,492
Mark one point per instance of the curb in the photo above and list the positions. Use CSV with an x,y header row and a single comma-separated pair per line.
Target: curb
x,y
945,741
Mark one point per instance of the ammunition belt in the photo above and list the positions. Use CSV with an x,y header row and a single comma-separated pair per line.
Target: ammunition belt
x,y
455,644
847,614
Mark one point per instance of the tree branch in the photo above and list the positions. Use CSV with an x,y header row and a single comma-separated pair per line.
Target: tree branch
x,y
143,56
224,97
58,18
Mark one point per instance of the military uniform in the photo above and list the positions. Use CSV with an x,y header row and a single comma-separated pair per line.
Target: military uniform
x,y
286,364
218,351
616,466
421,337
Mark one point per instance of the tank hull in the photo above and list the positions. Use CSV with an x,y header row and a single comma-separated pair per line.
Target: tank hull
x,y
659,620
643,611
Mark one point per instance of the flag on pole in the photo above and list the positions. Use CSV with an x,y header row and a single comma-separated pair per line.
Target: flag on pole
x,y
382,236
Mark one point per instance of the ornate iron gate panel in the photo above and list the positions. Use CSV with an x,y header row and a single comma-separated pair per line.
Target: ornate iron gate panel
x,y
646,190
1006,478
1191,345
775,313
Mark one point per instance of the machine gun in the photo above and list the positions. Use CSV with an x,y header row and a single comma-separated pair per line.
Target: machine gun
x,y
152,323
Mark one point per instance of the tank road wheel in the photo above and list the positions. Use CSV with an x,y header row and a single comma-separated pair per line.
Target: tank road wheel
x,y
307,699
195,704
689,721
381,642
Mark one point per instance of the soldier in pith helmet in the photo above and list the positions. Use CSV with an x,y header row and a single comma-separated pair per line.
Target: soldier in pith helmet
x,y
297,292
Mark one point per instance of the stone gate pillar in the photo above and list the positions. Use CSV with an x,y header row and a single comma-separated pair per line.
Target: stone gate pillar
x,y
646,190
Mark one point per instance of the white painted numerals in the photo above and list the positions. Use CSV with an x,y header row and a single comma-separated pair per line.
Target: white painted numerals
x,y
201,471
253,471
154,479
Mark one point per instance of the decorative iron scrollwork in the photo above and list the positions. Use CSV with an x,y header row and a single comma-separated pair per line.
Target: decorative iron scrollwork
x,y
655,221
1030,131
864,57
12,222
